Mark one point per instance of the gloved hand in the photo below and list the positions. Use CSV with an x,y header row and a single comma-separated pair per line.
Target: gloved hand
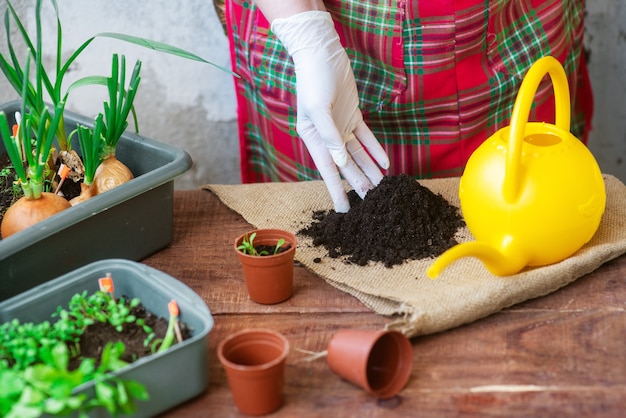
x,y
329,120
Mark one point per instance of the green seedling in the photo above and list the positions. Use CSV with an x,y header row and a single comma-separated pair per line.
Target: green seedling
x,y
35,376
30,157
91,145
247,246
119,105
173,328
47,387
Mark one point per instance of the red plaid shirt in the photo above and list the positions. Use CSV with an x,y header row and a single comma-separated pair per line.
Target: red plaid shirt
x,y
435,78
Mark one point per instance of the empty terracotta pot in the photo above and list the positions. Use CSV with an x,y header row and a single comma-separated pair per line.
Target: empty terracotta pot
x,y
378,361
269,278
254,360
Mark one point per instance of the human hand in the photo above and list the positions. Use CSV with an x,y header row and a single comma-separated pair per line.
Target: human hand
x,y
329,120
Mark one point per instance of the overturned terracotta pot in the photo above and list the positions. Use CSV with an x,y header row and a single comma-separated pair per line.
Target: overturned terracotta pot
x,y
378,361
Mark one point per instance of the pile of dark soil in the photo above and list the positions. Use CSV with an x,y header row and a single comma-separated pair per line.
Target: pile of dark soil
x,y
398,220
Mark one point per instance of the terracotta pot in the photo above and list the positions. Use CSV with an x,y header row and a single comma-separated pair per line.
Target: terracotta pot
x,y
254,360
269,278
378,361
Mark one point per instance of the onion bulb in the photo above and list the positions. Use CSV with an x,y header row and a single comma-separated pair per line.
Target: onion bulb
x,y
86,193
110,174
28,211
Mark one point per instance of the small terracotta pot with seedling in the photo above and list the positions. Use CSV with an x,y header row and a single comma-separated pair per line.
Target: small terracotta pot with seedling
x,y
266,257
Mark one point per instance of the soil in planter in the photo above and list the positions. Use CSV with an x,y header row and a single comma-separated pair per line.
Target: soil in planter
x,y
96,336
398,220
8,194
70,188
265,250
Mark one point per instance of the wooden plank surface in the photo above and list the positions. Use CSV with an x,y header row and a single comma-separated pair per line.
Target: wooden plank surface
x,y
560,355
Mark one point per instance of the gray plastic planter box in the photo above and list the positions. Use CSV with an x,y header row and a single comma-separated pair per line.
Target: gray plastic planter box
x,y
131,221
171,377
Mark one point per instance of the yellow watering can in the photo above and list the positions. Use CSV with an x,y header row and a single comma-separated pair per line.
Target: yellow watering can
x,y
532,194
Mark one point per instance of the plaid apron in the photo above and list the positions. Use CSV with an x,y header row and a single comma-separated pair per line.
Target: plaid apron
x,y
435,78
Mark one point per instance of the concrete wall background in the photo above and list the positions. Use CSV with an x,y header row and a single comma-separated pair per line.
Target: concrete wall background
x,y
192,105
606,39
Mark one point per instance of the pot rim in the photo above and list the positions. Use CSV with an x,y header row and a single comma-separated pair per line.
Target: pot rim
x,y
257,367
288,236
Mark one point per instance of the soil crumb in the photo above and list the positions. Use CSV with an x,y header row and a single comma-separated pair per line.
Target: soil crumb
x,y
398,220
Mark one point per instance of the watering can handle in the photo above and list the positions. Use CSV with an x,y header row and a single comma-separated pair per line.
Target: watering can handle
x,y
521,111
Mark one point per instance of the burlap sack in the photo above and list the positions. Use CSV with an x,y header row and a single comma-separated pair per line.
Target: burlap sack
x,y
465,291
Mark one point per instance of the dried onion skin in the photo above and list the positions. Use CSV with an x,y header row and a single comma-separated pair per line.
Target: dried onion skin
x,y
110,174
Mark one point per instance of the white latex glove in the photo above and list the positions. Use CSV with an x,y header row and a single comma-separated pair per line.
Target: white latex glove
x,y
329,120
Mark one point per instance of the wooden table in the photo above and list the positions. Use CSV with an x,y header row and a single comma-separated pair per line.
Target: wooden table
x,y
560,355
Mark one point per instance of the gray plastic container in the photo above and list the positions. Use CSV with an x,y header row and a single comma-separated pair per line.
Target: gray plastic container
x,y
131,221
171,377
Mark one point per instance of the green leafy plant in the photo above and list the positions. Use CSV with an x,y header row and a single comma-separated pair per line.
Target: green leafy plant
x,y
172,328
28,151
90,143
32,154
52,81
48,85
102,307
111,172
48,387
35,372
120,103
247,246
98,145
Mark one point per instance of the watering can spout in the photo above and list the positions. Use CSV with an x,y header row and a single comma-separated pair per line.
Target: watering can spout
x,y
498,262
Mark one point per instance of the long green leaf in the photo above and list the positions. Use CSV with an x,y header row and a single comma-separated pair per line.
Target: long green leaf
x,y
130,98
13,71
114,87
88,81
90,142
59,52
34,51
39,70
12,148
161,47
48,138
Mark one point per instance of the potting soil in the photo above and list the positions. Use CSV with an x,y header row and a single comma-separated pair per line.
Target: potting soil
x,y
398,220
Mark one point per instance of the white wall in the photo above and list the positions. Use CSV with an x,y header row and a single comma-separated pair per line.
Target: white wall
x,y
606,38
192,105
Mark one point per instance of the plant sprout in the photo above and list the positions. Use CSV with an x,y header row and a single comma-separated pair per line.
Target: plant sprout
x,y
247,246
173,329
120,103
36,153
103,170
91,144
